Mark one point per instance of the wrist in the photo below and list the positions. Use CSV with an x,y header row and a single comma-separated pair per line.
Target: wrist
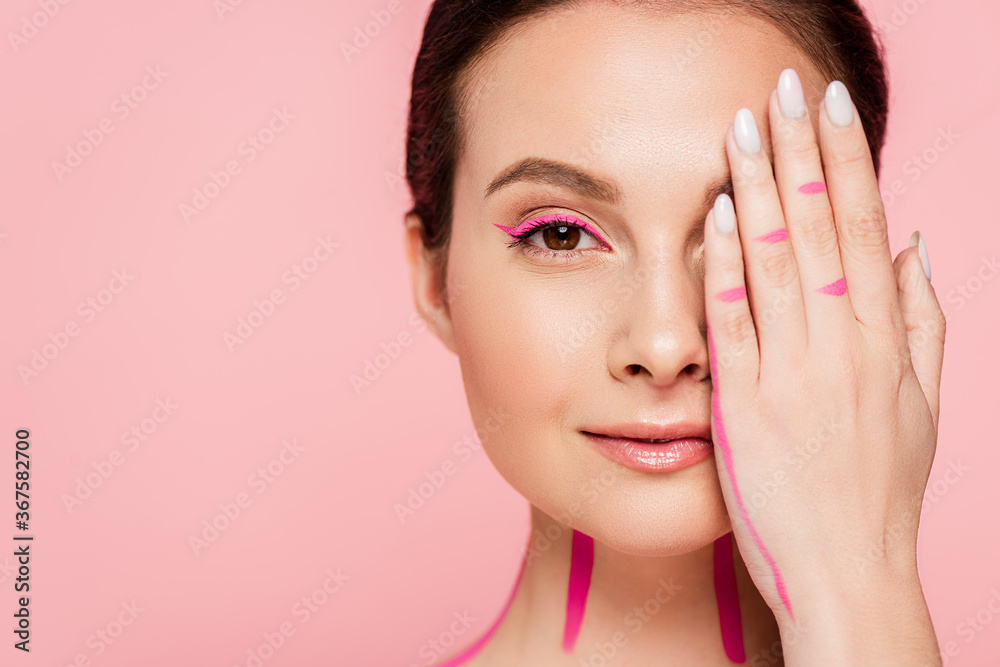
x,y
878,618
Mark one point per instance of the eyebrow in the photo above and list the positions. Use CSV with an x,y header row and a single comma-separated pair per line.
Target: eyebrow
x,y
553,172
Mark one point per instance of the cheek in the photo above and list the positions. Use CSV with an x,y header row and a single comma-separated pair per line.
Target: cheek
x,y
524,350
520,340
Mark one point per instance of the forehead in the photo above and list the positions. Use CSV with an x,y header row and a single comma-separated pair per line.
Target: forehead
x,y
633,94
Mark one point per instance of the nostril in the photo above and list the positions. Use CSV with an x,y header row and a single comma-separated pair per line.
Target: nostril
x,y
635,369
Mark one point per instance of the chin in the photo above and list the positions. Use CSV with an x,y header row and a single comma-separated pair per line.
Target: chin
x,y
637,513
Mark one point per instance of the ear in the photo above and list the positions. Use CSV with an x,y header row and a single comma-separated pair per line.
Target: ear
x,y
425,273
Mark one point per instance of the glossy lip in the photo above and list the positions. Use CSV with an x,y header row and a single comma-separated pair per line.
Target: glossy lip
x,y
684,444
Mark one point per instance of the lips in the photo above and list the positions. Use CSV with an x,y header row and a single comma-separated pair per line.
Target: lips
x,y
653,447
648,431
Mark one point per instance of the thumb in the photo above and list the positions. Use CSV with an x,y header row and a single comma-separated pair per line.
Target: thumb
x,y
923,317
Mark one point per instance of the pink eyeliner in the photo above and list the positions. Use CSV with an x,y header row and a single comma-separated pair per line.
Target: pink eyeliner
x,y
727,457
730,295
813,188
838,288
539,222
774,237
581,567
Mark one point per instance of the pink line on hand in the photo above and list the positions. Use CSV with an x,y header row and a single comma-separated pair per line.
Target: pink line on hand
x,y
774,237
727,599
730,295
727,457
838,288
813,188
581,566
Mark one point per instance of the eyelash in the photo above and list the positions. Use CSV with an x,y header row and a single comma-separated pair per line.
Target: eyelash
x,y
553,221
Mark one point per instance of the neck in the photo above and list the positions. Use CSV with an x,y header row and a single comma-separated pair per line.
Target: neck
x,y
638,608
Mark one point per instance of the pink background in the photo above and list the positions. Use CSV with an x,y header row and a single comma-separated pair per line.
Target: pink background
x,y
334,171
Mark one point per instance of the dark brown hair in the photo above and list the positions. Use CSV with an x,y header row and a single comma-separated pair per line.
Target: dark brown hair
x,y
835,34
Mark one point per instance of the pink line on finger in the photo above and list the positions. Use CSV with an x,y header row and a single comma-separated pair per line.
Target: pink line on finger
x,y
727,599
727,457
581,566
813,188
838,288
774,237
730,295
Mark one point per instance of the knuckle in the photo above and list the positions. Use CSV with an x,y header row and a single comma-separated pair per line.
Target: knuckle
x,y
817,233
730,265
777,265
852,157
736,324
802,150
866,228
753,175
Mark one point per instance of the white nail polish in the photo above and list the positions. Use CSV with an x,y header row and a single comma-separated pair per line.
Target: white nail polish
x,y
838,104
725,214
745,129
790,96
917,239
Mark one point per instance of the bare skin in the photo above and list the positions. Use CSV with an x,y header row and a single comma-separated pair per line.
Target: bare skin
x,y
644,101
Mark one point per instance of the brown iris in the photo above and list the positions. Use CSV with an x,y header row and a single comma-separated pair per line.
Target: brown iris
x,y
563,237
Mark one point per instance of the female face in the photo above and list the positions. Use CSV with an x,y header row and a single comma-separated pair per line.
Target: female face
x,y
615,120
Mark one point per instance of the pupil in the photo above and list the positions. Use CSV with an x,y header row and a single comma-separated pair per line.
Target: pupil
x,y
561,238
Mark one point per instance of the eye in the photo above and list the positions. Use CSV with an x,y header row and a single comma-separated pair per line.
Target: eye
x,y
557,234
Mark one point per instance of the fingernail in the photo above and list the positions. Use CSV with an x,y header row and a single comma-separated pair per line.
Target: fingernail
x,y
790,97
838,104
745,129
724,214
917,239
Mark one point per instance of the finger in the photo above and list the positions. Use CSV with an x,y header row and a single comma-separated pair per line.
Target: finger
x,y
923,318
732,337
771,273
808,213
859,215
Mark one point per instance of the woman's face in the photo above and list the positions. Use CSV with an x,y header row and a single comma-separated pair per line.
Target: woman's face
x,y
580,331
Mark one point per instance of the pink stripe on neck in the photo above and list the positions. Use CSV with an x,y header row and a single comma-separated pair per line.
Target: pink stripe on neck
x,y
580,569
727,599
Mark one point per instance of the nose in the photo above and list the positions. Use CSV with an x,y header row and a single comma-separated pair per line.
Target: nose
x,y
661,325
